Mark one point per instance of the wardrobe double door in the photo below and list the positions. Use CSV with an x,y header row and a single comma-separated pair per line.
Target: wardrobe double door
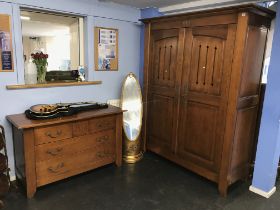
x,y
188,92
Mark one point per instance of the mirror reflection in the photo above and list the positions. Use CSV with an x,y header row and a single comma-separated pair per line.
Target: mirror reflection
x,y
132,102
58,35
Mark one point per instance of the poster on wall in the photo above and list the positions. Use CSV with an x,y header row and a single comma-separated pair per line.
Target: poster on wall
x,y
6,60
106,49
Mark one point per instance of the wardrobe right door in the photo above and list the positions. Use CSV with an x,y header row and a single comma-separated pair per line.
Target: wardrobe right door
x,y
203,100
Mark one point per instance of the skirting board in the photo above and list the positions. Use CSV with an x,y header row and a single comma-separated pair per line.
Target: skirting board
x,y
261,192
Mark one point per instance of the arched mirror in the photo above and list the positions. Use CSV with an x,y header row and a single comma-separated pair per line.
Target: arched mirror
x,y
131,101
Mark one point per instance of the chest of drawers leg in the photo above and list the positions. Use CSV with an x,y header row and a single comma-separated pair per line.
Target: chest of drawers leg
x,y
29,155
119,119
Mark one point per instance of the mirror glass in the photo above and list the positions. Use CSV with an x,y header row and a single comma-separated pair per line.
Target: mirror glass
x,y
132,102
58,35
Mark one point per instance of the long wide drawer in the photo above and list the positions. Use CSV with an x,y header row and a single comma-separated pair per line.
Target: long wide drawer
x,y
65,158
60,168
75,146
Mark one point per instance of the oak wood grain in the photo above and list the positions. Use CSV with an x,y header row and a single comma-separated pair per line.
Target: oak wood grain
x,y
201,102
29,157
51,150
119,122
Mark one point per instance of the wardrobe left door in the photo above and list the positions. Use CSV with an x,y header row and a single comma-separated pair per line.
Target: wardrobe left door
x,y
164,88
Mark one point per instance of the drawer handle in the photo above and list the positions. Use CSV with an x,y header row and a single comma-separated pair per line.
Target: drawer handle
x,y
56,169
100,155
103,154
102,139
53,136
104,124
54,152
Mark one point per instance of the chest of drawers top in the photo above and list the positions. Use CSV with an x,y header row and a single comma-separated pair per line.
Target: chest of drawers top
x,y
20,121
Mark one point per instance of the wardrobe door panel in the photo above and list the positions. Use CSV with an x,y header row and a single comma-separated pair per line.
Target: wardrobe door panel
x,y
164,59
206,76
206,65
163,96
161,120
197,128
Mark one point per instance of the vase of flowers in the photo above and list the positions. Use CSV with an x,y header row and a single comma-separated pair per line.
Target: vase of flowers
x,y
40,60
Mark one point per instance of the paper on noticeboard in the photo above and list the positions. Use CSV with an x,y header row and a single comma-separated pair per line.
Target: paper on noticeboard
x,y
106,48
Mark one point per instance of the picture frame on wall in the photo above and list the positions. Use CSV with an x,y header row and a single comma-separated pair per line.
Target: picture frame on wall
x,y
106,49
6,49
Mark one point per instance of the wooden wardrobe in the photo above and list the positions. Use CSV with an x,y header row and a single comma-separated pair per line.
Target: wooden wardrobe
x,y
201,89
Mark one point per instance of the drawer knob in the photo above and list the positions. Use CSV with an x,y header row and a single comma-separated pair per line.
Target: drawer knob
x,y
103,154
56,169
54,152
53,136
100,125
102,139
103,124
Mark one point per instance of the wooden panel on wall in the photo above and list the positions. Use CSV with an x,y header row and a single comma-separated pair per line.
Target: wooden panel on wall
x,y
6,47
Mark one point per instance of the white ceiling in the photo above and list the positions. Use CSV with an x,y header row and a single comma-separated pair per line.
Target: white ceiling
x,y
148,3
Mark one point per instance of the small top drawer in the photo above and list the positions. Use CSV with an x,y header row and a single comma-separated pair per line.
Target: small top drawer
x,y
100,124
52,133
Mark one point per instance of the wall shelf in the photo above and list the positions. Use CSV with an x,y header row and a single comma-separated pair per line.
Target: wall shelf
x,y
52,84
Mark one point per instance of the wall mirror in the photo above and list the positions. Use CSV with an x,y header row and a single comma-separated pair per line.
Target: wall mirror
x,y
61,36
131,100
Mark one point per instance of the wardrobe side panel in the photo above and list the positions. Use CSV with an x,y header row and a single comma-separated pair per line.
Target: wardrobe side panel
x,y
248,101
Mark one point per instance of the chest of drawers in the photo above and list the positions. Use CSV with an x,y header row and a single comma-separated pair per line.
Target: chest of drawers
x,y
50,150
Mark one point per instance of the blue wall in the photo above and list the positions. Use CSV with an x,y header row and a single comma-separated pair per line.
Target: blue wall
x,y
96,14
150,13
269,143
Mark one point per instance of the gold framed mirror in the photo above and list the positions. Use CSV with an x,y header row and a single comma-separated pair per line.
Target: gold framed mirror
x,y
131,101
